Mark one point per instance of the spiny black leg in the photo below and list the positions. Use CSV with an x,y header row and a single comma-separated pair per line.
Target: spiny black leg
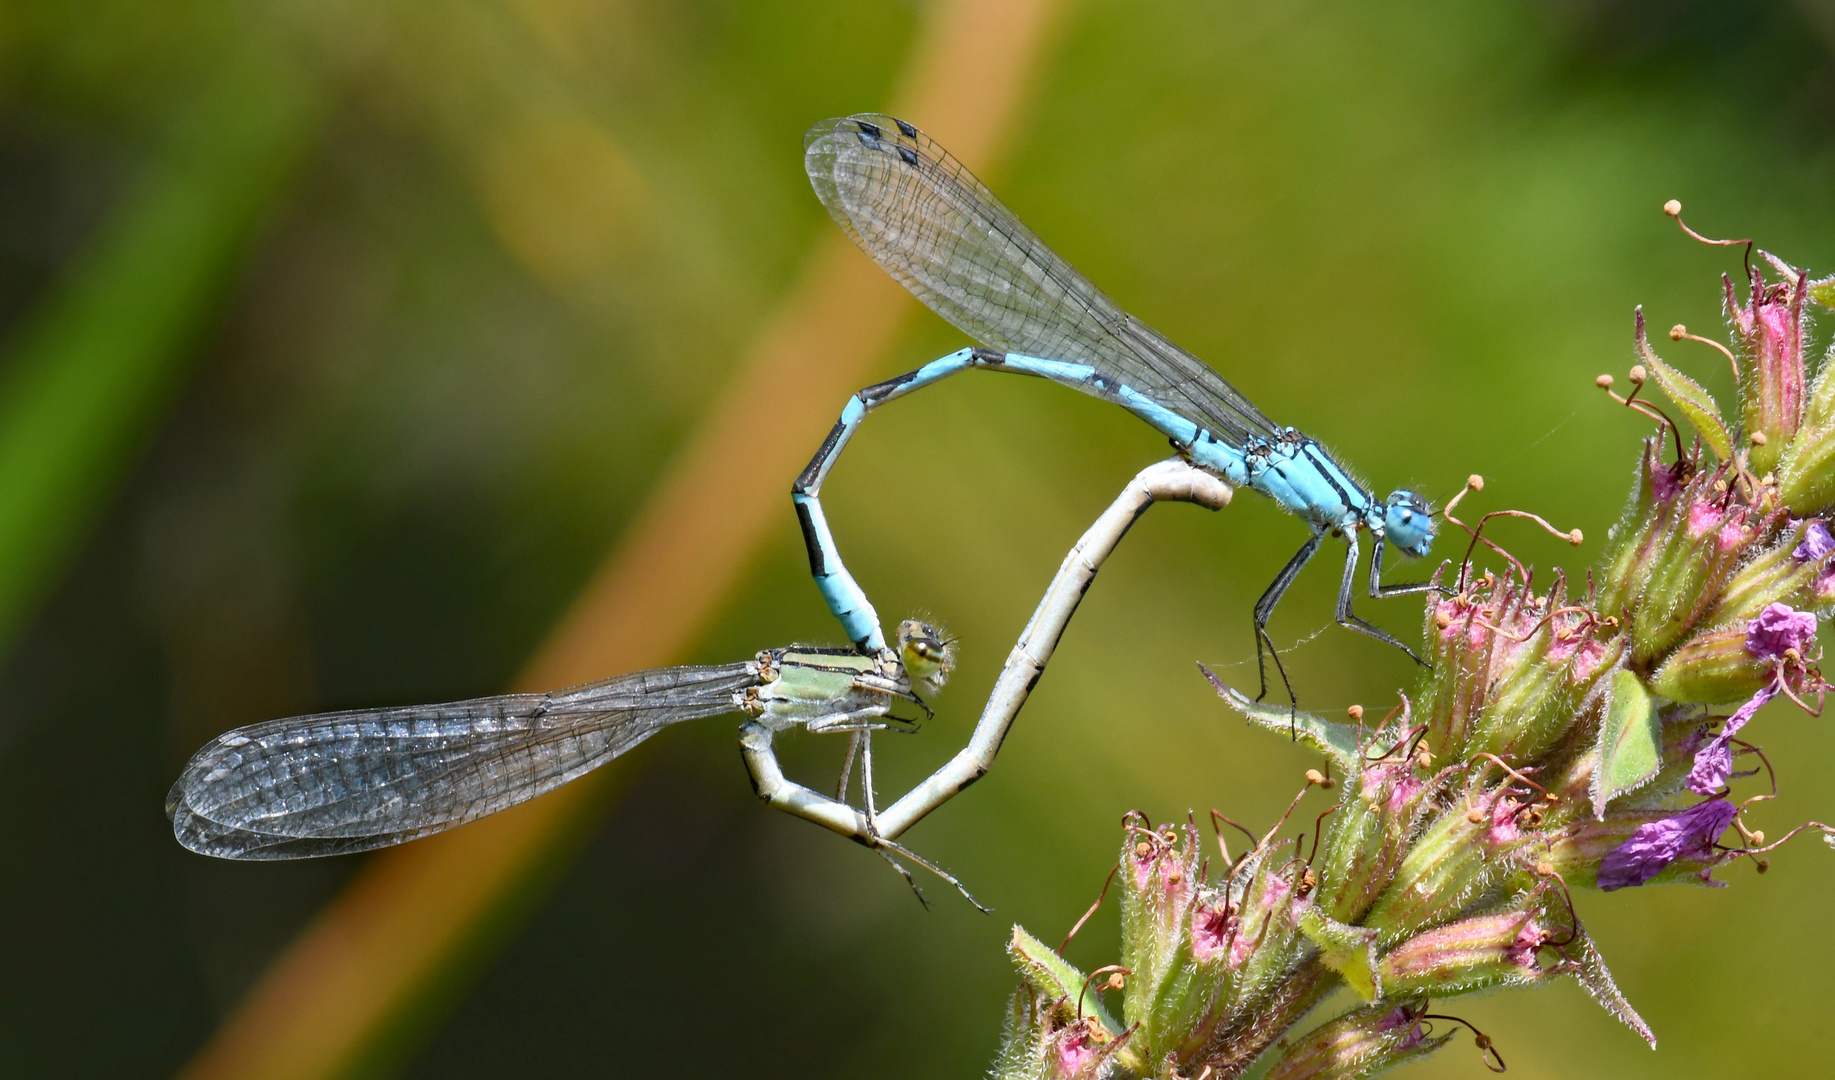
x,y
929,713
879,842
1378,590
1352,622
887,845
1345,616
1265,650
1264,608
880,846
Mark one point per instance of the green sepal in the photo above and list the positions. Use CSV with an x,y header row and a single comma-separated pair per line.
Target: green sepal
x,y
1466,956
1348,950
1823,292
1630,748
1447,867
1712,668
1023,1051
1592,975
1330,737
1050,973
1360,1044
1358,853
1806,472
1694,400
1774,576
1036,1026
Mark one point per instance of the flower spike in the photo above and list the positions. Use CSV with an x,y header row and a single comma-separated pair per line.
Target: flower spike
x,y
1563,738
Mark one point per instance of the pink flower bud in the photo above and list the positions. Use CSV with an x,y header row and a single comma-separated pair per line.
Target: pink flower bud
x,y
1770,359
1479,953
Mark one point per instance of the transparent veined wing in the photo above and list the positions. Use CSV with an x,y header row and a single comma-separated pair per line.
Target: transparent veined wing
x,y
368,778
926,220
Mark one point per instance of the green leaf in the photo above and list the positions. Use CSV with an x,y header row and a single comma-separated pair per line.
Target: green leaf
x,y
1694,400
1041,966
1336,740
1348,950
1630,743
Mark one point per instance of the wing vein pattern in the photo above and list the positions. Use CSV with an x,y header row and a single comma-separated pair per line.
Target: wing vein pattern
x,y
926,220
369,778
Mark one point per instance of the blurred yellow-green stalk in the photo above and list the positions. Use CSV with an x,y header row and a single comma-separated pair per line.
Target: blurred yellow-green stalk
x,y
342,341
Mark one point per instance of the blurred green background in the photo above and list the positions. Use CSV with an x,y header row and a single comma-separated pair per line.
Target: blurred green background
x,y
341,340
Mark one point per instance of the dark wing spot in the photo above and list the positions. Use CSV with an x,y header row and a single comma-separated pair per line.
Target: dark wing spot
x,y
910,132
871,131
908,155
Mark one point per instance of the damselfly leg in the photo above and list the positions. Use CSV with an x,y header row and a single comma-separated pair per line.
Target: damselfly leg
x,y
1346,617
1378,591
925,219
1264,609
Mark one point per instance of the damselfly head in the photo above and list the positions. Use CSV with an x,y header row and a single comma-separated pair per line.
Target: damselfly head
x,y
928,653
1408,523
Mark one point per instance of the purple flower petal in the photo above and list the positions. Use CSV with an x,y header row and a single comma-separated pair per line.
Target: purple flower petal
x,y
1714,762
1816,545
1777,629
1713,767
1657,844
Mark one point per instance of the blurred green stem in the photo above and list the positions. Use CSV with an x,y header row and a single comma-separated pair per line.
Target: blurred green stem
x,y
86,374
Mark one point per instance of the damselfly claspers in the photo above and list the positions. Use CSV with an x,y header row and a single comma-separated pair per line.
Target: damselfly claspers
x,y
930,224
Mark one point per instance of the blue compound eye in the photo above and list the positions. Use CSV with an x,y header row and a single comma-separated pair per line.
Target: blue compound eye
x,y
1408,524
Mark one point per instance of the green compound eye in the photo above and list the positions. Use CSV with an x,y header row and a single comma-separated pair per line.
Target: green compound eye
x,y
928,654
